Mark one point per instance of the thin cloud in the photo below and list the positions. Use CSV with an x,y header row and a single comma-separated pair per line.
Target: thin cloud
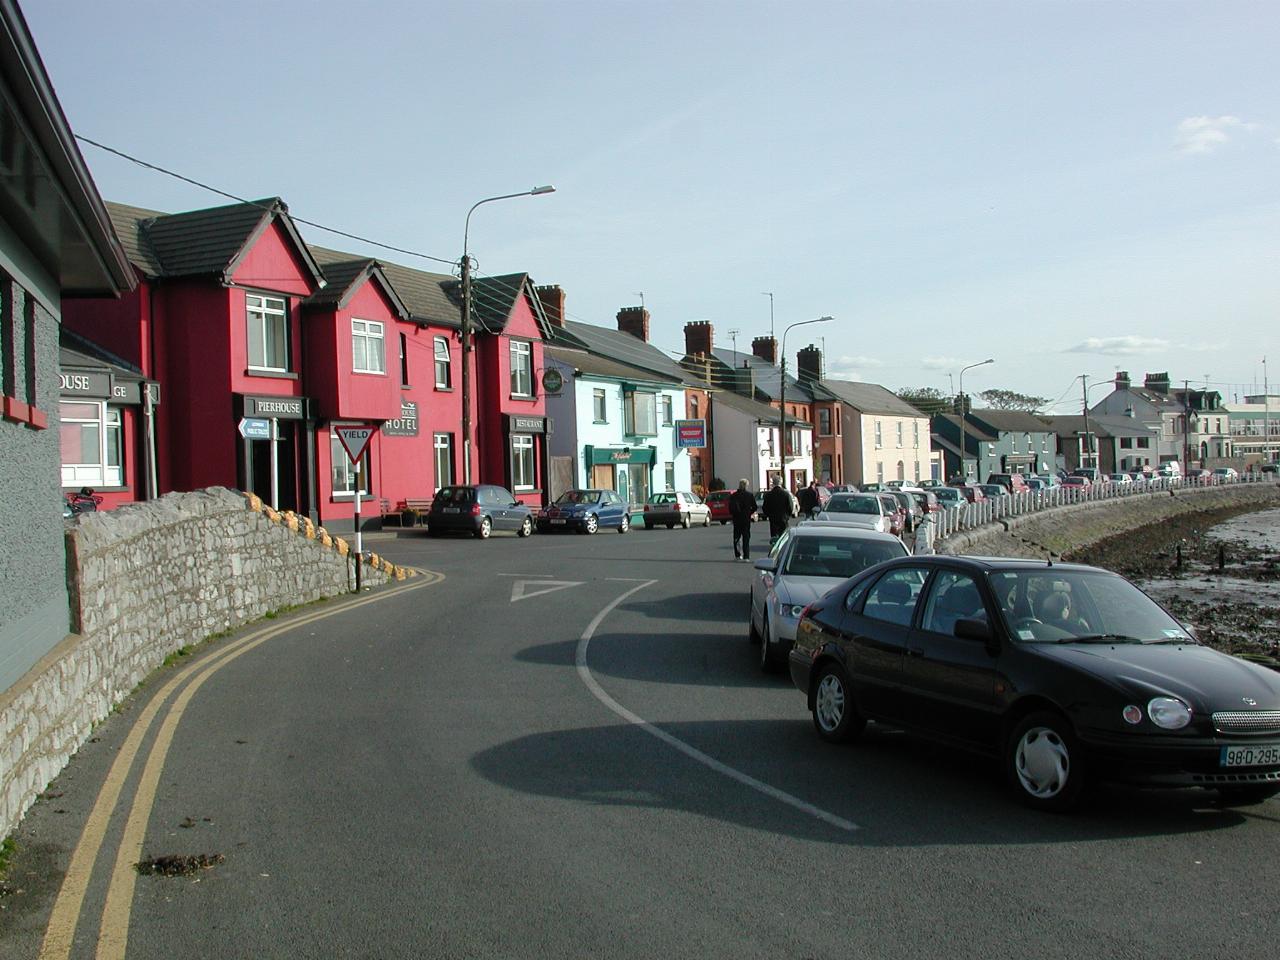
x,y
1206,134
1119,346
943,363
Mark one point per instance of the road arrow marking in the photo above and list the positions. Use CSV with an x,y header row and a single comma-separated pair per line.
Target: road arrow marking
x,y
520,591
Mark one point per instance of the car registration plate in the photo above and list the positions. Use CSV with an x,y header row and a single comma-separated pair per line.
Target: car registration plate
x,y
557,520
452,509
1255,755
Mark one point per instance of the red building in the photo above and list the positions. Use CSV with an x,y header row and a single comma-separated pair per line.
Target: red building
x,y
263,346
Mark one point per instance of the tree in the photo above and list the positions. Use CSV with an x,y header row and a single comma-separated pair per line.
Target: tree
x,y
928,400
1010,400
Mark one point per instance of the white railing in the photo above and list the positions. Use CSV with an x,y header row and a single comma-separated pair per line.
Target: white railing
x,y
968,516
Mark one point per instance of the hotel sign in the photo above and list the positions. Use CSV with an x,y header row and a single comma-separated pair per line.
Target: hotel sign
x,y
406,425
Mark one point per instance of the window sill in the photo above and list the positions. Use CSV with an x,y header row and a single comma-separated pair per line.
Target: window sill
x,y
601,422
350,498
270,374
529,397
369,373
440,389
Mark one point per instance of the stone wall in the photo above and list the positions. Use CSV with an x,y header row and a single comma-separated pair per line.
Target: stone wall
x,y
146,580
1059,531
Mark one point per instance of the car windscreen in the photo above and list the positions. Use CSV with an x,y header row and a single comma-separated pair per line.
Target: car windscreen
x,y
663,498
853,505
1047,605
455,494
570,497
814,555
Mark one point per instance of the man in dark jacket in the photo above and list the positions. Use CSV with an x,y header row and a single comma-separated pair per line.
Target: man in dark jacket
x,y
809,500
742,508
777,507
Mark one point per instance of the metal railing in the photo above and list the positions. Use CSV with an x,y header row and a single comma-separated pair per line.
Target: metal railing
x,y
968,516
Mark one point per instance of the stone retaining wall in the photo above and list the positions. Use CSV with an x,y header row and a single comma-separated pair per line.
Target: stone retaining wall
x,y
146,580
1063,529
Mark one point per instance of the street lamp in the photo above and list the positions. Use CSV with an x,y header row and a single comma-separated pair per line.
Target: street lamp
x,y
782,393
466,324
964,475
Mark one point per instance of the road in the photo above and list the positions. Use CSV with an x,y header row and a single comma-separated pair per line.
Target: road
x,y
564,748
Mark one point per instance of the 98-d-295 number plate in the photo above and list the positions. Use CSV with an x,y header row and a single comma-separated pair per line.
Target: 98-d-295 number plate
x,y
1254,755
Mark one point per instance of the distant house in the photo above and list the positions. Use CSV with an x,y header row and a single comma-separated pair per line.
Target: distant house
x,y
1121,444
748,442
881,436
1255,427
1155,408
979,458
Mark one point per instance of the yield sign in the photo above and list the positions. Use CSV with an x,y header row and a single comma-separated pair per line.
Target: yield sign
x,y
520,589
354,439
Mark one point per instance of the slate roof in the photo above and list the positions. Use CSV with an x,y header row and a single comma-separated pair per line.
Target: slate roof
x,y
1102,426
970,429
429,297
867,397
592,364
75,351
767,376
623,348
756,409
1009,421
345,277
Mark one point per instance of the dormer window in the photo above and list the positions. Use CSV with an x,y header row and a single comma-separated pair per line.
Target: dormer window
x,y
267,319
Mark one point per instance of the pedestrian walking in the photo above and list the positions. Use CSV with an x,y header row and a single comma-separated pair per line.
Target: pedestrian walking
x,y
777,507
742,510
809,499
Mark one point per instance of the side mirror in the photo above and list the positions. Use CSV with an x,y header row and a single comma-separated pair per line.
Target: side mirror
x,y
767,564
979,630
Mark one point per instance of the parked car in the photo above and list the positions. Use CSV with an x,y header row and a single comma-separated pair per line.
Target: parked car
x,y
676,506
1064,672
970,491
994,491
911,511
479,509
865,510
1013,482
1074,486
1122,480
717,502
1226,474
807,561
1201,477
1036,484
843,488
1050,480
586,511
1089,473
894,511
951,498
930,484
926,500
1270,468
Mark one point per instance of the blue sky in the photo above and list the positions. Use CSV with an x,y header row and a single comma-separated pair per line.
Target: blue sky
x,y
1067,187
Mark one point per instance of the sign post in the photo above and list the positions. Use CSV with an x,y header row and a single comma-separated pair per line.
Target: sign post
x,y
355,438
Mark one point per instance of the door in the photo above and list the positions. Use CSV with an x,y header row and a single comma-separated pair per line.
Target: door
x,y
952,680
874,635
602,477
270,467
638,474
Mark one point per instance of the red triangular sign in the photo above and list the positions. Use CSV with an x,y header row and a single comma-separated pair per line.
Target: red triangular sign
x,y
355,437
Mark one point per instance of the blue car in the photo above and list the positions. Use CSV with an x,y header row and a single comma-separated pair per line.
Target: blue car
x,y
586,511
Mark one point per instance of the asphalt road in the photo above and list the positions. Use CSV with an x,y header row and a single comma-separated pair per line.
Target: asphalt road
x,y
565,749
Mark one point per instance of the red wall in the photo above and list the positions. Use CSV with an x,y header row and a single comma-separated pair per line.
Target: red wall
x,y
496,403
273,264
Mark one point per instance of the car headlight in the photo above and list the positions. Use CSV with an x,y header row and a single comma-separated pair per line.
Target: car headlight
x,y
791,611
1169,713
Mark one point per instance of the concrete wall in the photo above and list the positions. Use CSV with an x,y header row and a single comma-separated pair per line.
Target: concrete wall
x,y
1063,529
146,580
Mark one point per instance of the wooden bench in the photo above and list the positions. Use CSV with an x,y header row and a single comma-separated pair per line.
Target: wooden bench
x,y
420,507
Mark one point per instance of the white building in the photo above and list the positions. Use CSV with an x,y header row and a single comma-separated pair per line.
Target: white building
x,y
746,444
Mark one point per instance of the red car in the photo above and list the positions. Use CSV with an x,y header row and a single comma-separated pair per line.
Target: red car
x,y
893,511
1074,487
972,492
718,501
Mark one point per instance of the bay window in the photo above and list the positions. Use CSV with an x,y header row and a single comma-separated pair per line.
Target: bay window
x,y
641,414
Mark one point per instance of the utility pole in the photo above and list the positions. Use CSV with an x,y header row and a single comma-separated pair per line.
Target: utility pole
x,y
1084,383
1266,416
1186,426
466,368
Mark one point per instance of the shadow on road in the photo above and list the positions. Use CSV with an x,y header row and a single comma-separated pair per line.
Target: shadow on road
x,y
902,792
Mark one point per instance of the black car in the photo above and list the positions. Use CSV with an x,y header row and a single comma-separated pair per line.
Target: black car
x,y
1063,671
478,509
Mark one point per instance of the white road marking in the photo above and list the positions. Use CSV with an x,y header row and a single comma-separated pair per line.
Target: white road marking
x,y
584,672
520,589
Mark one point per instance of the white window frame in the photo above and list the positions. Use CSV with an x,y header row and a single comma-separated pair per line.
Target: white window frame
x,y
523,463
650,409
879,436
916,425
669,472
261,310
442,445
342,471
521,354
368,336
900,443
443,364
107,424
667,408
599,405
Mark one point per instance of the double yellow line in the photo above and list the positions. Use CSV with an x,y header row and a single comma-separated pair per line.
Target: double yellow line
x,y
113,933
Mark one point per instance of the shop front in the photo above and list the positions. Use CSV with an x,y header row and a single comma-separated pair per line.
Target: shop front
x,y
627,470
527,457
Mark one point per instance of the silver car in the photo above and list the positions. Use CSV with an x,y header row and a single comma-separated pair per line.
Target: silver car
x,y
676,506
857,510
807,561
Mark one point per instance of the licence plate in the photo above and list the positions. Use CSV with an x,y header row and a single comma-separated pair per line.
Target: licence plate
x,y
452,509
557,521
1257,755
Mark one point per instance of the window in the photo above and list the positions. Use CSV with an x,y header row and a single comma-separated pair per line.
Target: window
x,y
824,421
915,424
879,472
878,437
344,473
954,596
642,414
899,433
902,470
268,323
444,459
444,372
825,467
367,350
404,361
1126,443
522,475
917,473
666,410
693,407
521,368
670,475
598,408
91,445
1144,443
893,598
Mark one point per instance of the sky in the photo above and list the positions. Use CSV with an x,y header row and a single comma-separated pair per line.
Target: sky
x,y
1068,188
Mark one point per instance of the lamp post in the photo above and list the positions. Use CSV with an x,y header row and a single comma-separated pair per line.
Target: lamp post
x,y
466,324
782,393
981,363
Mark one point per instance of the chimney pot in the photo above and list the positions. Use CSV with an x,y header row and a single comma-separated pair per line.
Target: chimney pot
x,y
698,338
766,348
635,321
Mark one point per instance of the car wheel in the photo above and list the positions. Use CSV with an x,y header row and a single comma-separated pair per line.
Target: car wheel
x,y
592,523
723,522
648,525
526,528
671,526
706,521
486,528
1043,763
770,662
625,525
684,520
834,715
1246,796
752,633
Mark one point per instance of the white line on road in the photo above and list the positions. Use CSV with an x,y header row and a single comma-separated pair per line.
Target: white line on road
x,y
693,753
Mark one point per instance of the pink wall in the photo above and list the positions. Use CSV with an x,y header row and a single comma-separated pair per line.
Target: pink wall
x,y
496,403
274,264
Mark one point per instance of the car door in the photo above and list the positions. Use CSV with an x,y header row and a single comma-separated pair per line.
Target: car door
x,y
874,631
500,500
953,680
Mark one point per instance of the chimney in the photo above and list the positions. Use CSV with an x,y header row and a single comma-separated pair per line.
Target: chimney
x,y
1157,382
809,364
552,299
635,321
766,348
697,338
1122,380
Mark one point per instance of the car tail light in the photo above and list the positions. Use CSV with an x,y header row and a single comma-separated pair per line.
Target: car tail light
x,y
475,509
